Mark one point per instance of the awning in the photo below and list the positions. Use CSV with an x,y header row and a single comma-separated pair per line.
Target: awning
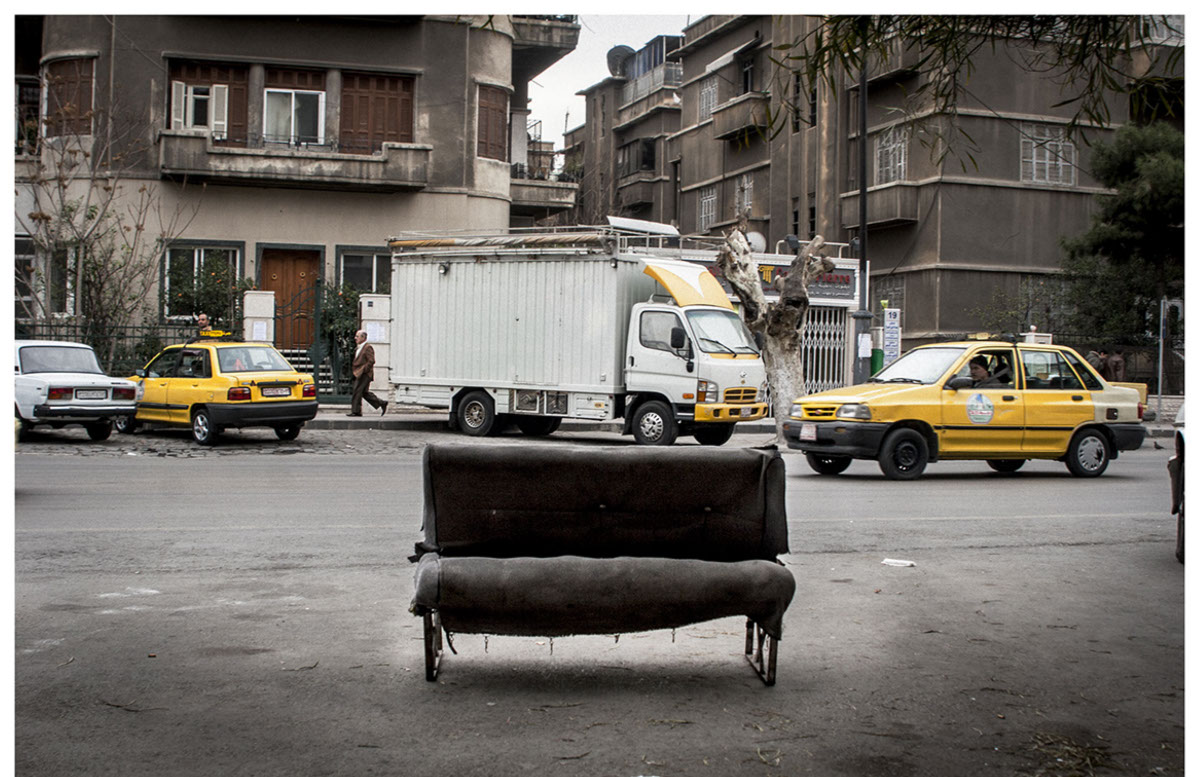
x,y
728,57
688,283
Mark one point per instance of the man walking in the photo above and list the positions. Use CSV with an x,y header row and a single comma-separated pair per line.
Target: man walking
x,y
363,368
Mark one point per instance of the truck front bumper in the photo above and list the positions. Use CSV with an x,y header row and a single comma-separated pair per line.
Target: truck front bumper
x,y
727,413
859,440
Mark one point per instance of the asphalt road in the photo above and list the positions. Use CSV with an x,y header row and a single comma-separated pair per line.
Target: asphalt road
x,y
243,610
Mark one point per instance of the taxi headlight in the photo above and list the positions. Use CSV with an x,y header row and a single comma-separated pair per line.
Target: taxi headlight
x,y
854,411
798,410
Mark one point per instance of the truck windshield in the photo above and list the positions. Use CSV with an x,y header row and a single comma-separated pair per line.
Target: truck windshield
x,y
921,365
721,331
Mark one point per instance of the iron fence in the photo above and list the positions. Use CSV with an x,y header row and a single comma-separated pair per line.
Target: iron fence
x,y
121,350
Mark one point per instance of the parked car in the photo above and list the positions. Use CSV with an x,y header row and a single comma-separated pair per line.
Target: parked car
x,y
212,383
1176,474
60,383
1019,402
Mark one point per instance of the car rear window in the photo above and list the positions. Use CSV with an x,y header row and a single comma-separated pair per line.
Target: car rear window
x,y
251,358
54,358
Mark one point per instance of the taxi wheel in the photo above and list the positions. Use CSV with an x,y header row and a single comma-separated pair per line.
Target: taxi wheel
x,y
1006,465
714,434
904,455
99,430
125,424
203,429
654,424
827,465
477,414
287,432
1088,454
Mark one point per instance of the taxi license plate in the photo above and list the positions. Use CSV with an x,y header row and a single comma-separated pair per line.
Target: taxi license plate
x,y
746,412
277,391
809,432
91,394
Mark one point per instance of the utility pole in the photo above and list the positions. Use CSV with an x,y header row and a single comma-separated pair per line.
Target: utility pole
x,y
863,316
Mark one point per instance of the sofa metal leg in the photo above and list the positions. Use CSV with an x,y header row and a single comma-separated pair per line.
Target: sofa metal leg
x,y
433,644
763,664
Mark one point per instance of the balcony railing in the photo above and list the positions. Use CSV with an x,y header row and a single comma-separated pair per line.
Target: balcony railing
x,y
669,74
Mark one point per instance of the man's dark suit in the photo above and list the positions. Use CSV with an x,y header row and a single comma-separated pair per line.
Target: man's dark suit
x,y
363,368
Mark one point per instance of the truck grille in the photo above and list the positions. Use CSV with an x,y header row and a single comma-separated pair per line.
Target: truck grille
x,y
820,411
740,396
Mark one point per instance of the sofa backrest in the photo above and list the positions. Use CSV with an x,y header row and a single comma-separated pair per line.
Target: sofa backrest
x,y
601,502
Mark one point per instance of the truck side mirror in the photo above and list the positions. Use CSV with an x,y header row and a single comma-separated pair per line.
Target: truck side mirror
x,y
678,338
958,383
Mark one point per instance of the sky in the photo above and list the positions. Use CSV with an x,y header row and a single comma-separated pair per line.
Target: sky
x,y
553,93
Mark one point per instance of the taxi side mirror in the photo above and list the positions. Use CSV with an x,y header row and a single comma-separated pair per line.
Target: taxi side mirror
x,y
141,373
958,383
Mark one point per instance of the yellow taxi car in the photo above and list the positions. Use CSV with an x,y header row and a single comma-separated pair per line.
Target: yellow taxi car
x,y
214,382
1005,403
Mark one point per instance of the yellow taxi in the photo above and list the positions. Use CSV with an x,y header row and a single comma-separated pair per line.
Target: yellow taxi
x,y
1005,403
214,382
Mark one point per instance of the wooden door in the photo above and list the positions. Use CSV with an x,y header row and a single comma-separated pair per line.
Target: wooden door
x,y
292,274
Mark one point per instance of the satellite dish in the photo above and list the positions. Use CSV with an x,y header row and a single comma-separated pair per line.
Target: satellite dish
x,y
616,58
757,242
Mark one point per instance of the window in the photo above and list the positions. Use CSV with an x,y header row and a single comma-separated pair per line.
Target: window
x,y
891,154
370,273
195,106
60,282
1048,156
1049,370
376,109
68,109
493,123
748,75
212,96
163,365
294,117
707,213
708,98
23,285
655,330
744,197
29,101
200,280
635,157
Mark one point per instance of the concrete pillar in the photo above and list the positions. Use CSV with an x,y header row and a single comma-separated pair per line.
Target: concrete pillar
x,y
518,119
333,107
258,316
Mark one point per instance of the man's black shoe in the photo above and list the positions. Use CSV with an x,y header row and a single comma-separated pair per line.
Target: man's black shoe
x,y
354,415
383,408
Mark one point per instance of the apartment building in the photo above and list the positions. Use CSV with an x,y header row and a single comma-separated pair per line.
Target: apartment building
x,y
296,145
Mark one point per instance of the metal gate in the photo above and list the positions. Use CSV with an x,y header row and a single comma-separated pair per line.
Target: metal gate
x,y
824,348
325,357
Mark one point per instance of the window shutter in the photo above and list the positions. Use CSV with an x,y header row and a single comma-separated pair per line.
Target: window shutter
x,y
178,101
219,107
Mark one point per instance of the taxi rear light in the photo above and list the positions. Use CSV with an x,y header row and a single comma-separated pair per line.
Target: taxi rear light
x,y
238,393
309,390
60,393
124,393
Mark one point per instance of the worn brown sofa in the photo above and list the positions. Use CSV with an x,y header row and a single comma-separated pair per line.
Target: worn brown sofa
x,y
559,540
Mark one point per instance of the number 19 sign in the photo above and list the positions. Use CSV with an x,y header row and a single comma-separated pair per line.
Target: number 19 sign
x,y
892,334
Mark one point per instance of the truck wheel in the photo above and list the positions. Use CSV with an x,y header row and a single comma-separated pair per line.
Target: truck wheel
x,y
1088,454
904,455
125,424
100,430
477,414
538,425
204,431
714,434
827,465
654,424
1006,465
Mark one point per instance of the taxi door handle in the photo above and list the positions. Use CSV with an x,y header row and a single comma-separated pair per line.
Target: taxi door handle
x,y
1077,398
1008,397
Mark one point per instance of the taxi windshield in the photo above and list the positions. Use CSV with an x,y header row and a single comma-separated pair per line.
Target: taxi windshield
x,y
721,331
251,358
921,365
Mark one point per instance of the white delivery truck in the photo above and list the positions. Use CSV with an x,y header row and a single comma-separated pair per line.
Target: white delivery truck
x,y
593,324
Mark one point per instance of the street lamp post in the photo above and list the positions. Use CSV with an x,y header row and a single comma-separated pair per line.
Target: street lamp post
x,y
863,316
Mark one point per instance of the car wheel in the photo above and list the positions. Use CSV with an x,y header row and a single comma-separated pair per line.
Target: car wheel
x,y
1006,465
1180,532
1088,454
904,455
538,425
203,429
288,432
477,414
25,431
100,430
125,424
713,434
654,424
827,465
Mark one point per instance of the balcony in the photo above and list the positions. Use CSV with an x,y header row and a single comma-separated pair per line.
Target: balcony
x,y
887,206
538,193
636,192
397,167
745,113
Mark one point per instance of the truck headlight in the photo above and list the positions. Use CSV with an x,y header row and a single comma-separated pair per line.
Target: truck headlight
x,y
862,412
706,391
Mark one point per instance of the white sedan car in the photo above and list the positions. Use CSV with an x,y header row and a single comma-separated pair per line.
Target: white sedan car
x,y
62,383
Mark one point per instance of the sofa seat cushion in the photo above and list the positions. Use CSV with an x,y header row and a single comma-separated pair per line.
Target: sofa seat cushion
x,y
576,595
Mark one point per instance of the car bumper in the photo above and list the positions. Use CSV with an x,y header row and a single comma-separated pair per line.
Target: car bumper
x,y
837,438
263,413
81,413
722,413
1128,437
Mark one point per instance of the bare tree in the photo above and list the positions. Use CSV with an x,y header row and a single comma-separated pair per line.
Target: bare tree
x,y
778,322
